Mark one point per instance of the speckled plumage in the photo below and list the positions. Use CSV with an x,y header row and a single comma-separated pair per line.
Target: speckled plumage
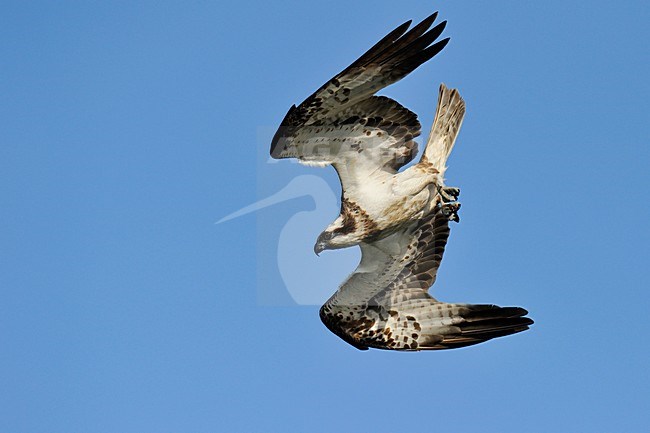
x,y
385,303
400,219
368,138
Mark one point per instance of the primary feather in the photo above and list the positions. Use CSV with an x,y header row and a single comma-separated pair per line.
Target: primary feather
x,y
343,117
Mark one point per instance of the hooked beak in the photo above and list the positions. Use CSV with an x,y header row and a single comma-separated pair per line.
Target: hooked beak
x,y
318,248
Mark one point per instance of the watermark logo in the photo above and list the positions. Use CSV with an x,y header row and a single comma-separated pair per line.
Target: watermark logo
x,y
286,241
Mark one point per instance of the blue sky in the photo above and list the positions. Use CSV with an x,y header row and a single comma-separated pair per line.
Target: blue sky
x,y
129,129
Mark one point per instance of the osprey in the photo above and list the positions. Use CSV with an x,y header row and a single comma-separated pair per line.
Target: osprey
x,y
400,219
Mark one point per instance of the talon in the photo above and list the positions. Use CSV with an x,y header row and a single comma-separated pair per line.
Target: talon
x,y
448,193
450,210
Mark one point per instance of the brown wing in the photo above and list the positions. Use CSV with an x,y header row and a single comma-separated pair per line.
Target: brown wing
x,y
343,105
385,303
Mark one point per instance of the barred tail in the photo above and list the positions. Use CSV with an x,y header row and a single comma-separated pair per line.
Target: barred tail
x,y
446,125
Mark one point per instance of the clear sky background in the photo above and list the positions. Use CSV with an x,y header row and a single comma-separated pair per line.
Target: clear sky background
x,y
128,128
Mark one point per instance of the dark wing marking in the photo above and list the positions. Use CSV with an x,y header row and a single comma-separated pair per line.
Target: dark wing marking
x,y
392,58
377,133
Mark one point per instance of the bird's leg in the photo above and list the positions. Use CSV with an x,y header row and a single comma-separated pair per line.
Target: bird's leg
x,y
414,179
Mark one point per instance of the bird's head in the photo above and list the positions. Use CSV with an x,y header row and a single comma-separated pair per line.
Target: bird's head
x,y
334,237
323,242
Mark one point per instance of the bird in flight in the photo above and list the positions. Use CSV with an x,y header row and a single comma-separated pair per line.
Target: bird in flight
x,y
400,219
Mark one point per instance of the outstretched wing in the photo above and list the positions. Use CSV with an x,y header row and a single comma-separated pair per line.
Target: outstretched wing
x,y
385,303
342,119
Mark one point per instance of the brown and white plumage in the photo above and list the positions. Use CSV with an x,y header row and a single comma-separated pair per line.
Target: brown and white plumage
x,y
368,138
345,107
378,206
400,219
385,303
447,121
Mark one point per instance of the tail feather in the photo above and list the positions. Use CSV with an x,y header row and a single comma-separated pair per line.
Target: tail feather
x,y
446,125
